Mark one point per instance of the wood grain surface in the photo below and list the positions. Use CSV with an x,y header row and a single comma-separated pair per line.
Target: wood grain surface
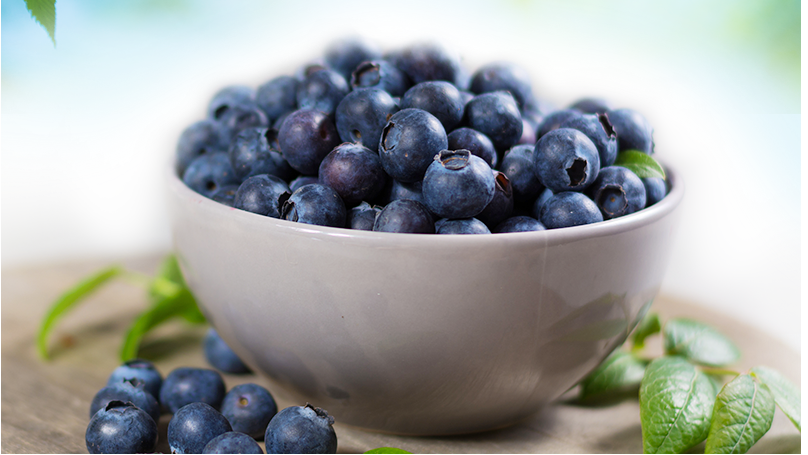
x,y
45,405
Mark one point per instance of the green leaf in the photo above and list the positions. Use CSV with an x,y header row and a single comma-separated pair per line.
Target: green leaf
x,y
743,413
387,450
168,282
699,342
676,403
44,12
69,300
621,372
642,164
786,394
648,326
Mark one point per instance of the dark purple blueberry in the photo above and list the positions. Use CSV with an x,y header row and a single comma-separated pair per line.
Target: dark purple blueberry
x,y
305,138
209,172
633,131
592,105
380,74
395,190
463,226
193,426
131,390
255,151
309,68
538,204
496,115
225,195
519,223
315,204
302,180
198,139
569,208
528,133
554,120
301,429
322,90
405,215
501,205
354,172
505,77
121,428
597,128
188,385
249,408
141,369
241,117
232,442
228,97
655,190
279,121
475,142
428,62
277,97
566,160
363,216
362,114
220,356
408,143
439,98
344,55
263,194
517,165
617,191
458,184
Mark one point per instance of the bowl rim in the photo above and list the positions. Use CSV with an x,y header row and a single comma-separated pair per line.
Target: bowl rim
x,y
546,237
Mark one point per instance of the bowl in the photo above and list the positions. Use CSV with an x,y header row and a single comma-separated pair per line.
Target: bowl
x,y
421,334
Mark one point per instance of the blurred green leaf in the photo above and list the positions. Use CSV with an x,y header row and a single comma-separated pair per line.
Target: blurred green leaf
x,y
621,372
387,450
742,414
786,394
642,164
44,12
699,343
648,326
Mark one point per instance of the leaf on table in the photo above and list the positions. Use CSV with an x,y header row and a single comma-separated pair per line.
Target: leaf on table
x,y
69,300
786,394
387,450
621,372
743,413
169,282
648,326
699,343
676,404
642,164
44,12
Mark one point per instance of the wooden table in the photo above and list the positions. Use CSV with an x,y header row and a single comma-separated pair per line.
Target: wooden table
x,y
45,405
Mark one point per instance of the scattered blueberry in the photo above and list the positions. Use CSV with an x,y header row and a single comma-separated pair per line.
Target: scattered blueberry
x,y
121,428
496,115
362,115
406,216
301,429
408,143
305,137
141,369
188,385
315,204
232,442
566,160
458,184
569,208
249,408
128,390
354,172
193,426
440,98
220,356
599,130
262,194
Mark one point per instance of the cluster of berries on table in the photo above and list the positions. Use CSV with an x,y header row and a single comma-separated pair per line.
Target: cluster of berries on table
x,y
410,141
206,418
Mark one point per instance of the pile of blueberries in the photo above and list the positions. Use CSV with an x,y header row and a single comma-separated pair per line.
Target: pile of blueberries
x,y
205,419
409,141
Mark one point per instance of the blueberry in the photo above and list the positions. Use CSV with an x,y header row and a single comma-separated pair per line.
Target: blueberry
x,y
140,369
633,130
344,55
262,194
249,408
302,180
362,114
395,190
617,191
528,132
277,97
520,223
227,98
566,160
380,74
591,105
238,118
225,195
354,172
193,426
128,390
475,142
598,129
322,90
121,428
463,226
496,115
439,98
538,203
232,442
517,165
655,190
569,208
209,172
305,137
405,215
506,77
427,62
315,204
363,216
554,120
501,205
188,385
301,429
198,139
409,141
220,356
458,184
255,151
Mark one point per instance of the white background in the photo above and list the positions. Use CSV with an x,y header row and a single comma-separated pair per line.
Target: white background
x,y
88,126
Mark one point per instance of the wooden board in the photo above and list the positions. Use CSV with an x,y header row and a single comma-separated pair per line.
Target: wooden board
x,y
45,405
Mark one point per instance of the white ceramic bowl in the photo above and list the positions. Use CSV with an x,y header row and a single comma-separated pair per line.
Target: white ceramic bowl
x,y
421,334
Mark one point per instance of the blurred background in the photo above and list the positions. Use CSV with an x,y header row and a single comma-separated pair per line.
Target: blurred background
x,y
89,125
